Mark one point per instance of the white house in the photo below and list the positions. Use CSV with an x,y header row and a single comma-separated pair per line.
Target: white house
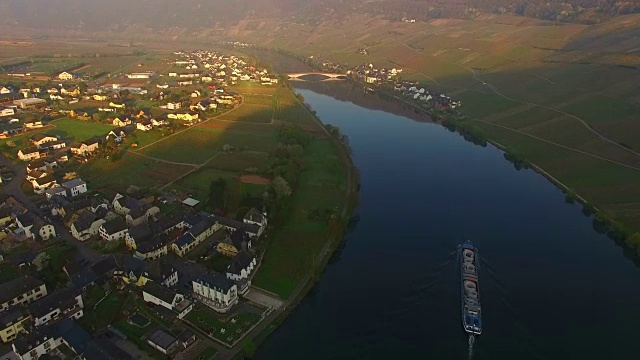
x,y
167,298
240,269
75,187
21,290
62,303
86,225
216,291
115,229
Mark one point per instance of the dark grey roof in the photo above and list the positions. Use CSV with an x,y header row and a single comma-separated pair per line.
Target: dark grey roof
x,y
140,232
152,244
185,240
104,349
202,226
240,262
162,339
159,291
216,281
26,219
104,266
186,336
114,226
26,342
235,224
18,286
85,219
61,299
72,333
10,316
239,237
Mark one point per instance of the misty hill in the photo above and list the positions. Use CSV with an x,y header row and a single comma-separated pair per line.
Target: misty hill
x,y
120,15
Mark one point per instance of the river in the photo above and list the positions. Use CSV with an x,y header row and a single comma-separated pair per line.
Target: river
x,y
551,287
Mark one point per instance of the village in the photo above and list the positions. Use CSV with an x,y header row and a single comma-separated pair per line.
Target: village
x,y
104,274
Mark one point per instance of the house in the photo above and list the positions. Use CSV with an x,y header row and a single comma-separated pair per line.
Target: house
x,y
167,298
55,145
185,116
56,190
85,148
12,322
99,97
6,111
216,291
30,103
171,106
117,105
42,184
20,291
34,227
152,248
121,122
141,214
75,187
115,229
28,154
62,303
144,125
33,124
65,76
138,234
234,243
241,267
162,341
70,92
254,217
186,338
4,90
158,122
86,225
41,139
184,244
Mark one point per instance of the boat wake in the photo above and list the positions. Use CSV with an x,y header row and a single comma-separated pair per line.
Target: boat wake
x,y
472,340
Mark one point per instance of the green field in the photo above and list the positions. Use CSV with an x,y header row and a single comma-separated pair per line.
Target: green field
x,y
252,113
289,109
78,130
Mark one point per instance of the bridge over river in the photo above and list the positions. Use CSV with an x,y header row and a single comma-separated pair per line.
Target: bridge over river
x,y
319,75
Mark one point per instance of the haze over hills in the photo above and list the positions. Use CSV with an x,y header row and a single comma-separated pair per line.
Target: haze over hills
x,y
119,15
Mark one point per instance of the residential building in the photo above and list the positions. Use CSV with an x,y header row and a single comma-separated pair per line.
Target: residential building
x,y
167,298
216,291
34,227
241,267
30,103
65,76
86,225
113,230
141,214
117,105
41,139
234,243
153,248
184,244
62,303
137,235
28,154
75,187
12,322
162,341
42,184
85,148
21,290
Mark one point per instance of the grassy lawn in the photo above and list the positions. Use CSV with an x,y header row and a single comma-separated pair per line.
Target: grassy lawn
x,y
239,161
78,130
102,315
206,354
8,273
227,330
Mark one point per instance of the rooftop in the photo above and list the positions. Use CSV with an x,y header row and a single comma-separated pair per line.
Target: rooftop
x,y
18,286
162,339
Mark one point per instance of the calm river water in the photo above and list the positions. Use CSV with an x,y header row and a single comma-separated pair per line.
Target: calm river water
x,y
551,287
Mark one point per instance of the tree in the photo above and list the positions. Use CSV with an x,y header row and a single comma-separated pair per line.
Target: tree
x,y
280,188
41,261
